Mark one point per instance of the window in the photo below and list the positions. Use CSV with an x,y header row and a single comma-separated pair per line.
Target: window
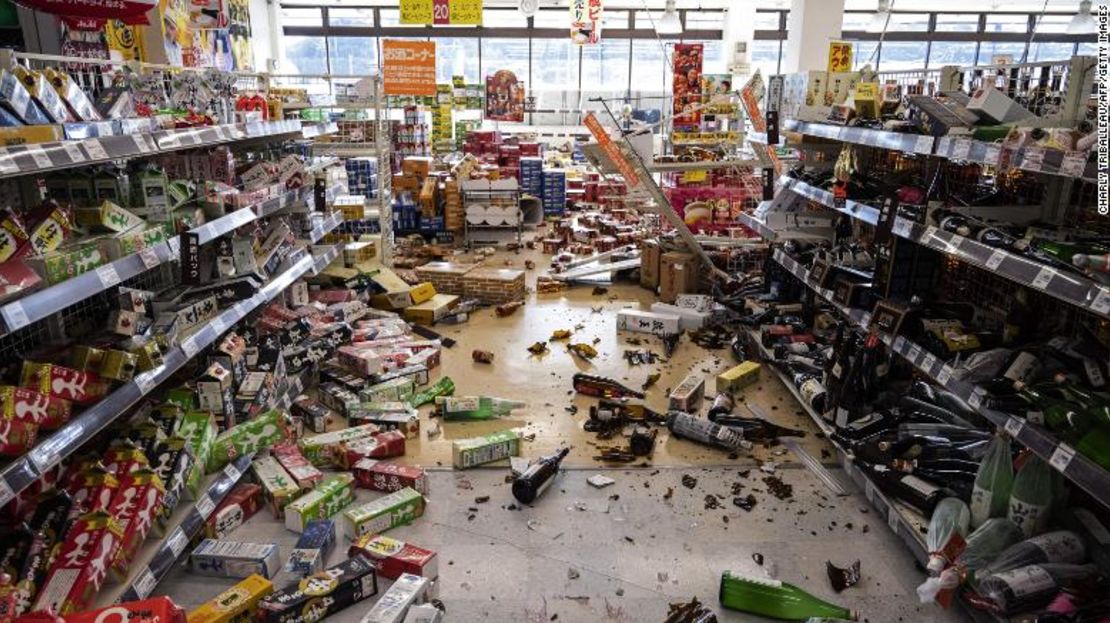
x,y
959,53
1087,49
511,54
651,70
1007,23
615,19
1052,23
908,22
714,57
1049,51
768,20
504,19
392,17
957,22
705,20
361,16
857,22
301,17
897,55
992,52
304,55
765,57
554,18
353,56
864,53
605,66
456,56
555,66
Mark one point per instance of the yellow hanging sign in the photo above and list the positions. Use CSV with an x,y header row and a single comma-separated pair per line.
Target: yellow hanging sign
x,y
840,56
441,12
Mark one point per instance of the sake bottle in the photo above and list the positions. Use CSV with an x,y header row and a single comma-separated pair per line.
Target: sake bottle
x,y
1031,496
950,518
990,495
982,546
443,387
1057,546
772,598
1031,587
475,407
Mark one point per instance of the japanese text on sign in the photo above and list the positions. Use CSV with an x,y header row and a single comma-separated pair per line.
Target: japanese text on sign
x,y
409,67
441,12
840,56
612,151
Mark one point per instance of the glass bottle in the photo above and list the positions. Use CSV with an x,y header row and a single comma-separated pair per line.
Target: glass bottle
x,y
1031,587
443,387
982,546
776,599
1031,496
593,385
703,431
950,518
922,495
990,496
532,482
475,407
1058,546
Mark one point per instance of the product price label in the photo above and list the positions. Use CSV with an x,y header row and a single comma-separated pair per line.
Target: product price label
x,y
975,400
995,260
107,275
1074,164
1101,303
1062,457
923,145
993,154
901,227
177,541
869,491
7,165
145,583
73,152
219,325
961,149
1043,278
145,382
892,519
205,506
44,458
175,246
930,232
1013,427
140,143
169,141
899,344
913,353
1033,159
149,257
945,374
232,472
928,363
1035,417
6,493
15,317
94,149
190,345
865,320
1094,372
42,160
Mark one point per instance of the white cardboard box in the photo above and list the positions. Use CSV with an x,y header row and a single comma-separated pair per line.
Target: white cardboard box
x,y
687,318
647,322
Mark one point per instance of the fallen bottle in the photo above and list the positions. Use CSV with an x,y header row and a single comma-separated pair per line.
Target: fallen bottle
x,y
703,431
776,599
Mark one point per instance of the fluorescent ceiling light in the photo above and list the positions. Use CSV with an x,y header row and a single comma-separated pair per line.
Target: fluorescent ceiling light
x,y
881,17
1083,23
669,24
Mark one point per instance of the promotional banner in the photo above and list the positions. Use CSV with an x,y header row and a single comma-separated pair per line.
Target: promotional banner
x,y
687,83
504,97
128,11
840,56
408,67
441,12
585,21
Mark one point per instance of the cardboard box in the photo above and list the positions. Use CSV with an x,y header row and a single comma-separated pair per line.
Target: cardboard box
x,y
81,567
648,322
389,477
395,390
304,473
688,319
278,486
677,275
406,422
321,450
135,506
236,508
377,516
432,310
379,446
650,255
392,557
153,610
327,499
312,549
422,292
250,436
322,594
688,395
739,377
233,559
485,449
235,605
406,591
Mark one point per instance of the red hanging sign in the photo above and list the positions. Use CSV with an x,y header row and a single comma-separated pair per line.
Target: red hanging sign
x,y
129,11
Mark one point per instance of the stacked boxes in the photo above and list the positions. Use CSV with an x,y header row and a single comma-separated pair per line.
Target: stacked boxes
x,y
554,192
453,214
362,176
531,176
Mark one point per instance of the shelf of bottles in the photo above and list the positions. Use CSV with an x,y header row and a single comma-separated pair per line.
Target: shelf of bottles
x,y
1077,468
854,209
898,141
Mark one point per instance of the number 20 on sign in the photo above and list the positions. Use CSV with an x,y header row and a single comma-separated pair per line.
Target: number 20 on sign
x,y
441,12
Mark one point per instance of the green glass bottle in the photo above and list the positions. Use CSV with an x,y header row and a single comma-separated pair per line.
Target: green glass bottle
x,y
779,600
1095,445
475,407
443,387
1063,416
1096,410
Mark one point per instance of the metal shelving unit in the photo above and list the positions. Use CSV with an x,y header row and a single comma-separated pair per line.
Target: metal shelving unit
x,y
909,143
854,209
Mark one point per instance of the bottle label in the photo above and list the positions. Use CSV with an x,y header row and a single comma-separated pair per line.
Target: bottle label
x,y
1094,372
1029,517
864,421
1093,525
837,371
810,389
1023,366
980,505
455,404
1027,581
1061,546
919,485
1035,417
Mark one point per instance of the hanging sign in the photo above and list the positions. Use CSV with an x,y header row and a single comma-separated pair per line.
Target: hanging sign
x,y
441,12
687,82
611,150
840,56
408,67
129,11
585,21
504,97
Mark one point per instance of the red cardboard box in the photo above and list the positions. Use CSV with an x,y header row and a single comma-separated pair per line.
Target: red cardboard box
x,y
304,472
389,477
237,507
135,506
23,403
153,610
83,388
92,490
82,564
391,557
378,446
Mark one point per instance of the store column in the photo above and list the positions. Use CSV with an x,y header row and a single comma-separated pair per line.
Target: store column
x,y
739,28
810,27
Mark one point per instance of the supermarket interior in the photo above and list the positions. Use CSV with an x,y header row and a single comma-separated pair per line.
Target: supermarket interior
x,y
626,311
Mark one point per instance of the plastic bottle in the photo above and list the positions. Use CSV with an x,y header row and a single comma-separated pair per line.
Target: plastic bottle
x,y
990,496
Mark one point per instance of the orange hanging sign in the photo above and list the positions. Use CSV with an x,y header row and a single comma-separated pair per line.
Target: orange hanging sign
x,y
408,67
611,150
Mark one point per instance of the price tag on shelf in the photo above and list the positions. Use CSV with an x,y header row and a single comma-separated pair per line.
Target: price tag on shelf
x,y
107,275
190,345
1033,159
929,362
169,141
175,246
145,583
995,259
865,320
869,491
899,344
975,400
1013,427
1074,164
1035,417
145,381
15,317
961,149
1043,278
219,325
923,145
7,165
993,154
177,542
945,374
232,472
1062,457
1101,303
930,232
38,154
902,227
95,149
44,458
149,257
140,144
205,506
913,354
892,519
73,152
6,493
